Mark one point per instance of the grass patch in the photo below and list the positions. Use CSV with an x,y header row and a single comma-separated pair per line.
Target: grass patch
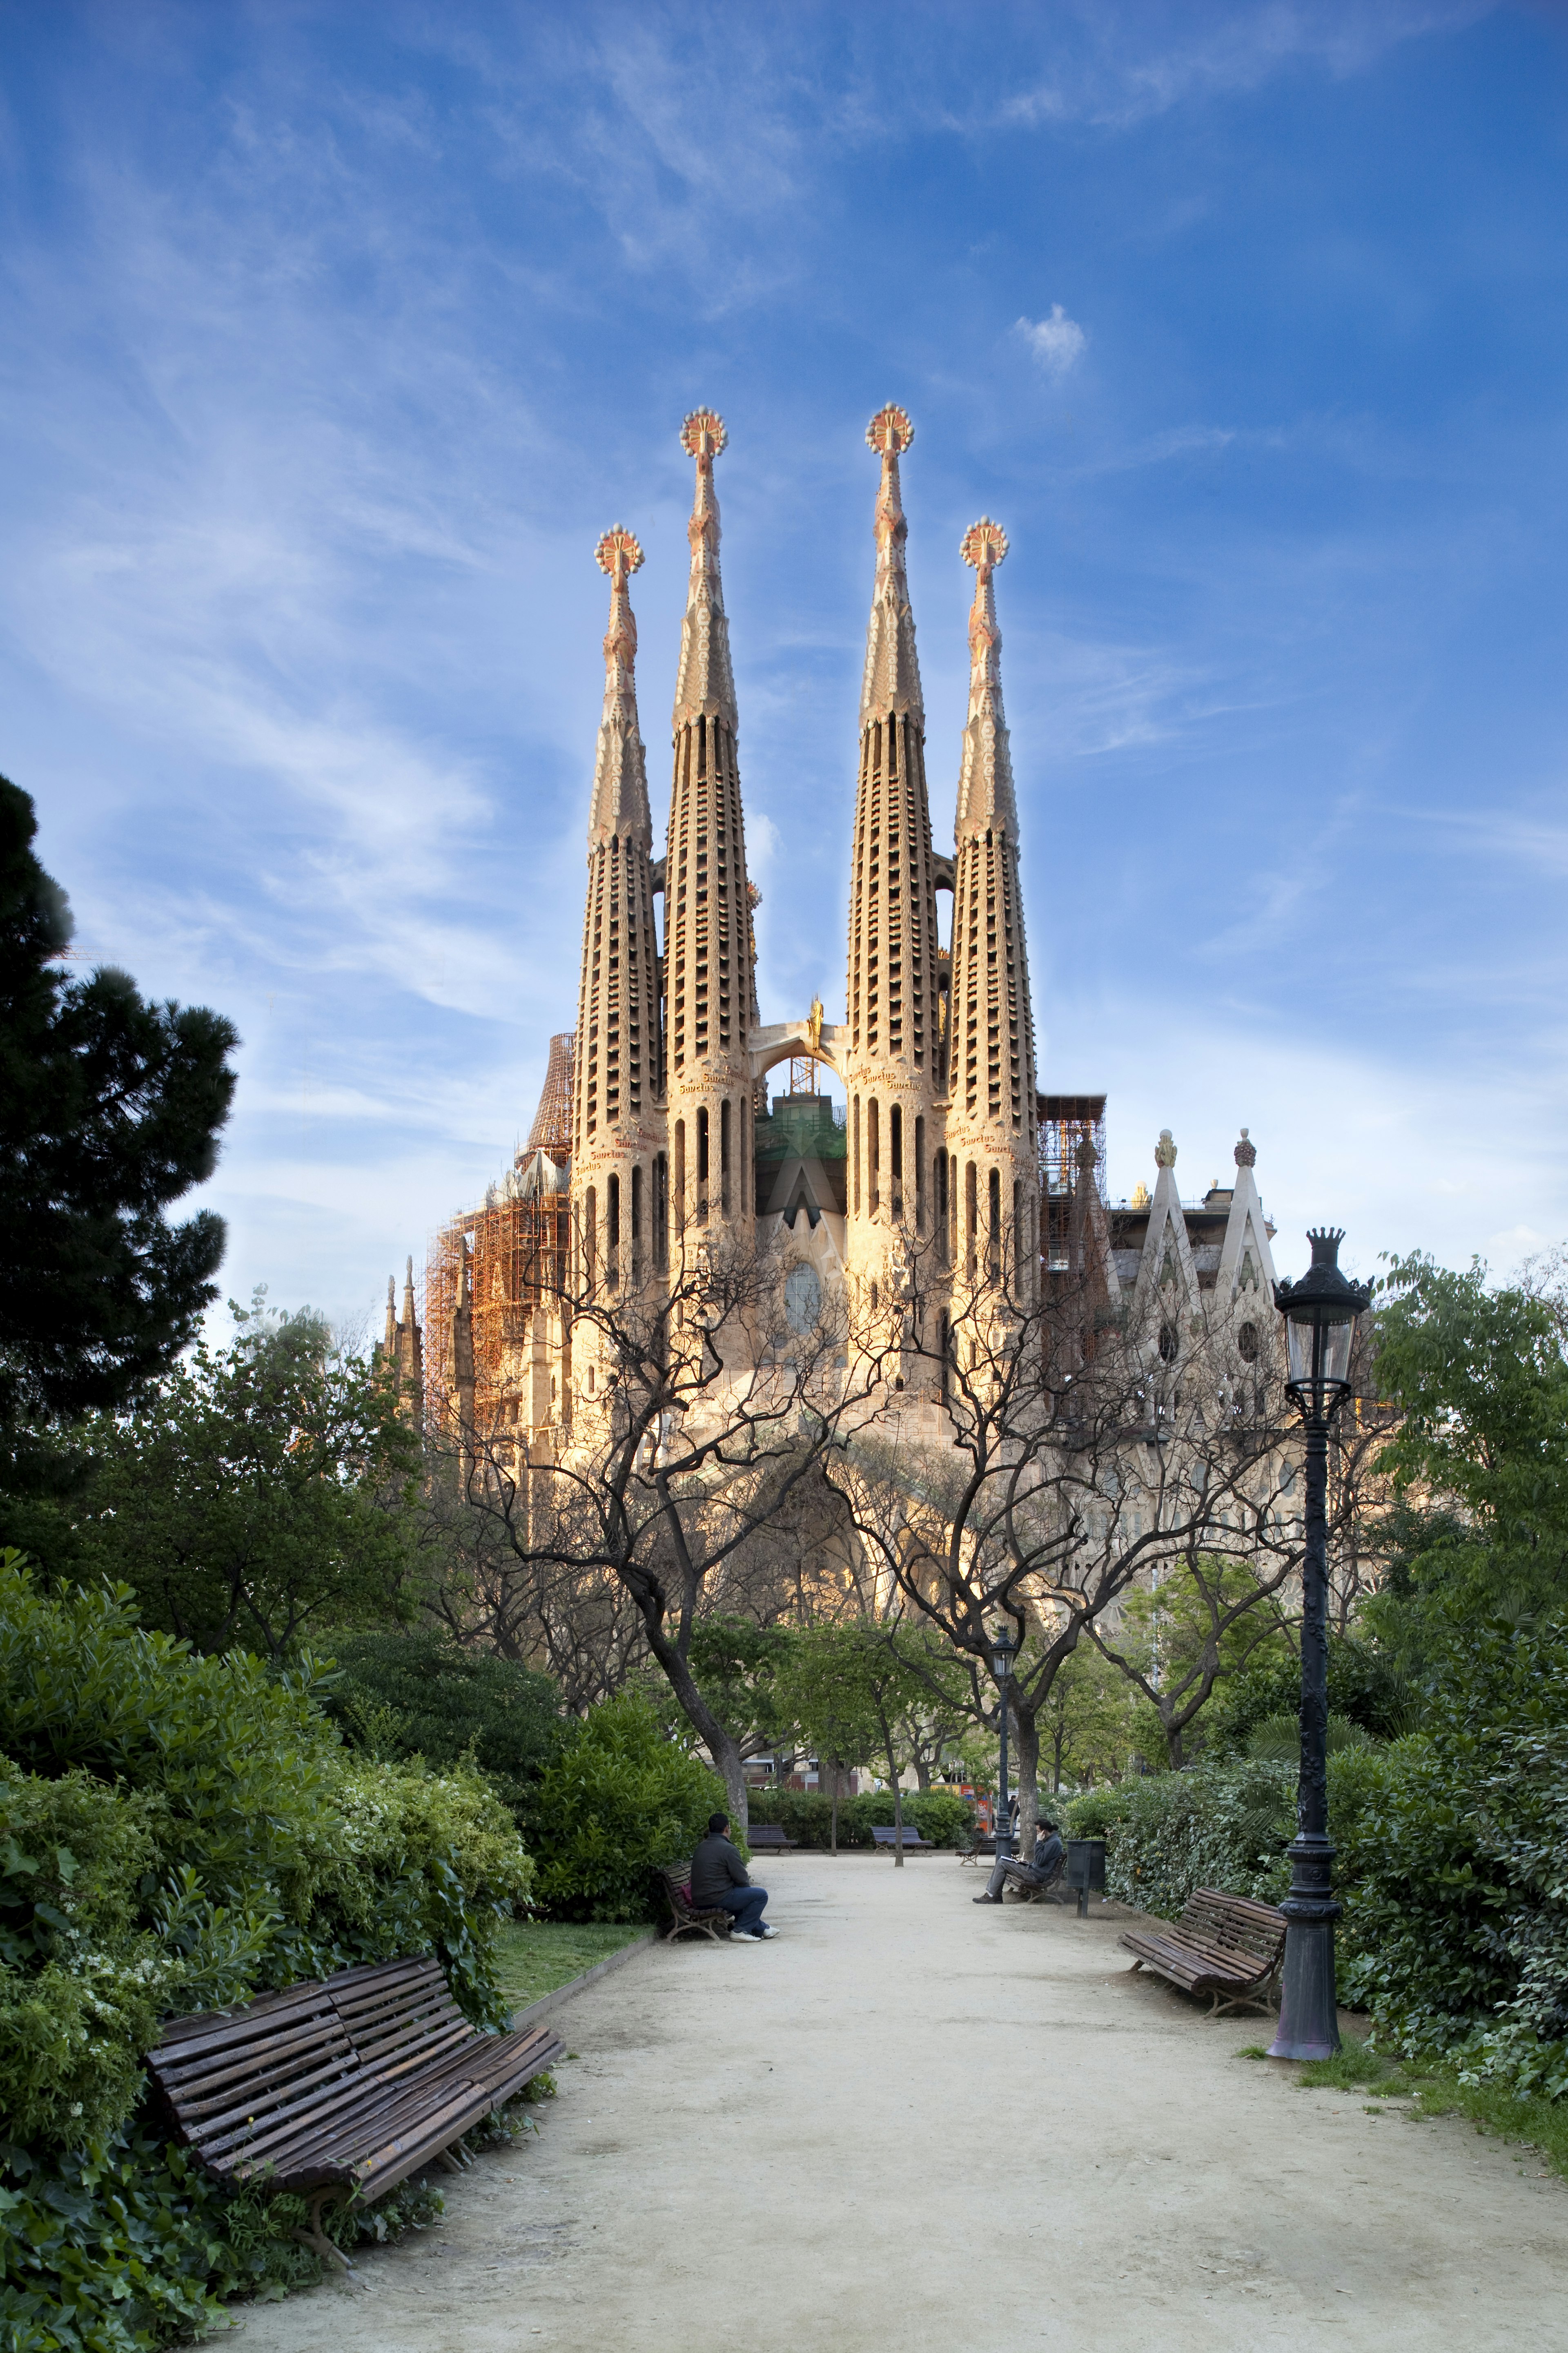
x,y
1538,2124
537,1955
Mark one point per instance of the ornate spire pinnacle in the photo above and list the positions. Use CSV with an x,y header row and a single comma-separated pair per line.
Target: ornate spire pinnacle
x,y
892,678
390,1343
620,805
705,686
985,780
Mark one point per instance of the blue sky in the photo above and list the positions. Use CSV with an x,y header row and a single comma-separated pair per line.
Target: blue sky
x,y
332,338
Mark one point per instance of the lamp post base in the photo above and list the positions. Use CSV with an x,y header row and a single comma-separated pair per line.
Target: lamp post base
x,y
1309,2010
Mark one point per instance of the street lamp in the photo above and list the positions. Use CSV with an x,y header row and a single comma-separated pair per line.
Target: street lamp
x,y
1320,1313
1003,1650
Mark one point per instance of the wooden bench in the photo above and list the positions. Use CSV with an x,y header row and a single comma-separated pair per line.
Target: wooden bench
x,y
1226,1946
685,1919
766,1838
910,1839
340,2089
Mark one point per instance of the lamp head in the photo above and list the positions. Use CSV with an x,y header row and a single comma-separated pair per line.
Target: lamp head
x,y
1320,1312
1004,1649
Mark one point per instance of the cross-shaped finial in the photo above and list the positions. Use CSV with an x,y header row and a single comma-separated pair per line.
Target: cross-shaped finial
x,y
890,430
702,433
618,555
985,544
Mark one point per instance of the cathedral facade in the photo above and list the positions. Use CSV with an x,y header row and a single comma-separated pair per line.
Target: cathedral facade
x,y
660,1131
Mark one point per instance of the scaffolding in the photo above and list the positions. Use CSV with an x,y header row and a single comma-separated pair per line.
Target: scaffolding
x,y
1061,1124
516,1242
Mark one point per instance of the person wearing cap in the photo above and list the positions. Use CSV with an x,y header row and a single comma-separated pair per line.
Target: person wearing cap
x,y
1049,1856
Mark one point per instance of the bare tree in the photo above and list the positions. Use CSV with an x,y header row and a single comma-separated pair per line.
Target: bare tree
x,y
1072,1454
705,1403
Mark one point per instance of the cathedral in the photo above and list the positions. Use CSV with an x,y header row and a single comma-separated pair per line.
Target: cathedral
x,y
660,1128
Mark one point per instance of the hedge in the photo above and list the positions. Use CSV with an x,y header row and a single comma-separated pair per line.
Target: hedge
x,y
806,1816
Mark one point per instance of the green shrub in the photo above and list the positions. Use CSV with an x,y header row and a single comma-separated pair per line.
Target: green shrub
x,y
177,1834
399,1696
1210,1825
618,1802
806,1816
1362,1687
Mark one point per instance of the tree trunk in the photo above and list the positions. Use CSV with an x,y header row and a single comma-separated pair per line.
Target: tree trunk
x,y
898,1812
922,1772
1027,1731
833,1847
720,1745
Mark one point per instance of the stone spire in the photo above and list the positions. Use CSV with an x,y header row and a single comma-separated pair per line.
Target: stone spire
x,y
985,780
991,1107
618,1058
709,979
706,684
993,1079
410,1348
620,772
892,678
389,1344
891,1071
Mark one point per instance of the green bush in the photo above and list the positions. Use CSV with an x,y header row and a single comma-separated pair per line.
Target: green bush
x,y
618,1802
1362,1688
399,1696
1210,1825
1451,1861
806,1816
177,1834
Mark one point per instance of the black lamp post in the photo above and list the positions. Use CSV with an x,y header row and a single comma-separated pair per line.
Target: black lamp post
x,y
1003,1648
1320,1313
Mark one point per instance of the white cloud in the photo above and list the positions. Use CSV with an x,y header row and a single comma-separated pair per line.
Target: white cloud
x,y
1057,341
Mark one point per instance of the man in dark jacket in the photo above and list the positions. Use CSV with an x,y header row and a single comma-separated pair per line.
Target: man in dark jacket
x,y
1049,1856
719,1884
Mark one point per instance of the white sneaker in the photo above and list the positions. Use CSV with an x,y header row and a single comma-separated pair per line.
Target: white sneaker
x,y
744,1936
767,1932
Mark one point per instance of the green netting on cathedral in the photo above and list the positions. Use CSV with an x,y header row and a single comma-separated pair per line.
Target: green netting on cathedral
x,y
803,1125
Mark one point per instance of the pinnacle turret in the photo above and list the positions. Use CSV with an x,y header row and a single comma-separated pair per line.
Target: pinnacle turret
x,y
985,779
618,1059
706,684
620,805
892,676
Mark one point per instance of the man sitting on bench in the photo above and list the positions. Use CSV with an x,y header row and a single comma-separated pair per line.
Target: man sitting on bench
x,y
719,1884
1049,1856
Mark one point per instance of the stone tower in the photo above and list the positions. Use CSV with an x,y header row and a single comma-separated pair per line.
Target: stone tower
x,y
618,1151
994,1181
893,1071
708,980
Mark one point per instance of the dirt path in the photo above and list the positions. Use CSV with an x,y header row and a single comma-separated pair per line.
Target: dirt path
x,y
907,2124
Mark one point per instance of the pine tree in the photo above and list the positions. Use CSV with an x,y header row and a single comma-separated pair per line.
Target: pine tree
x,y
110,1110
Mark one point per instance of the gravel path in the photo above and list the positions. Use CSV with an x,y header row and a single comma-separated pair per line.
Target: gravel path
x,y
908,2125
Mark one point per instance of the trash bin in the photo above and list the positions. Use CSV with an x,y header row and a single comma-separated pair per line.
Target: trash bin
x,y
1085,1870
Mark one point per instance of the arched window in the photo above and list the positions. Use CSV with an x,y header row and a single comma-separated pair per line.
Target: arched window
x,y
1246,1344
874,1152
660,1210
854,1122
920,1173
1169,1343
590,1235
970,1217
724,1155
896,1156
703,1165
994,1234
679,1176
613,1233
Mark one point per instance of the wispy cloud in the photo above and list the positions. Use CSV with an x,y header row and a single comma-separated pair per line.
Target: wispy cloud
x,y
1057,341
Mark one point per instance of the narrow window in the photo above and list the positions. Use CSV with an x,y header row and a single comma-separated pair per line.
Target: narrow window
x,y
724,1155
874,1153
971,1217
590,1234
857,1126
920,1173
613,1232
945,1337
636,1223
662,1211
1019,1259
679,1176
896,1156
703,1165
994,1237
